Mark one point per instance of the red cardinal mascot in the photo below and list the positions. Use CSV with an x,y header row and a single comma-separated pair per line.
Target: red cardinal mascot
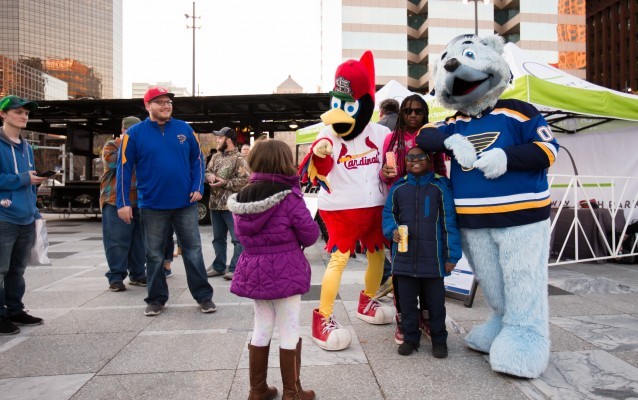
x,y
345,161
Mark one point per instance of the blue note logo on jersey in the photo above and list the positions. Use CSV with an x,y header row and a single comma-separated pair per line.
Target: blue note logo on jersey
x,y
481,142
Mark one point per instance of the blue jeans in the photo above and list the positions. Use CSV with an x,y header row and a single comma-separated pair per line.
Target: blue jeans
x,y
155,225
222,221
15,247
123,245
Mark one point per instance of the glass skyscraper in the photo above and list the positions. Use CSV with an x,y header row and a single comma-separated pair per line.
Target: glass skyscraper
x,y
76,41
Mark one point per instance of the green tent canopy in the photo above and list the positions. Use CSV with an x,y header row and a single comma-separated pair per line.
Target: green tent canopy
x,y
568,103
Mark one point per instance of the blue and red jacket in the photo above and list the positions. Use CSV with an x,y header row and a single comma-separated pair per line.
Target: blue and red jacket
x,y
168,165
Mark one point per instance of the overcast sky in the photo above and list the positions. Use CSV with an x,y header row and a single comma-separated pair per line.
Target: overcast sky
x,y
243,47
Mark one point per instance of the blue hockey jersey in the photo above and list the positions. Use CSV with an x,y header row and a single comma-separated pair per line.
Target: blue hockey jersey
x,y
521,195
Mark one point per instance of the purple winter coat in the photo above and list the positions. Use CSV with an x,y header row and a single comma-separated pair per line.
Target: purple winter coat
x,y
272,222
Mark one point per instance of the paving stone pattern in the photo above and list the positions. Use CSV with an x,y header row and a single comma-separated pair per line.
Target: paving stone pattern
x,y
96,344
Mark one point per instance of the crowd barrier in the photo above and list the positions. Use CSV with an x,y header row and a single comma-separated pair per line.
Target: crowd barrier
x,y
594,218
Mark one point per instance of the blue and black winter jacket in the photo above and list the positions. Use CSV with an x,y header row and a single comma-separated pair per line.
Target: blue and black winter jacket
x,y
426,205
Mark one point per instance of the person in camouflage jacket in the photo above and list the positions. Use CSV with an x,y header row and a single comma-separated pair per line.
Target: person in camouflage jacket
x,y
227,173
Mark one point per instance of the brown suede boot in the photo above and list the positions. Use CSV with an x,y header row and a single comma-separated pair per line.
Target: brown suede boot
x,y
290,365
303,394
258,369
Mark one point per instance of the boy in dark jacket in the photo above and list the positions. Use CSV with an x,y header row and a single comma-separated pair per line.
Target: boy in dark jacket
x,y
423,201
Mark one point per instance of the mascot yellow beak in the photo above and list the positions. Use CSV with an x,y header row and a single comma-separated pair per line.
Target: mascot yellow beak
x,y
342,123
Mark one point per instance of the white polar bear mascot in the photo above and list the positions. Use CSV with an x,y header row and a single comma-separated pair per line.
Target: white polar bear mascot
x,y
501,152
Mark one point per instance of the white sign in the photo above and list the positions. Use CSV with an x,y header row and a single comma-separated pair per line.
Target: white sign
x,y
461,279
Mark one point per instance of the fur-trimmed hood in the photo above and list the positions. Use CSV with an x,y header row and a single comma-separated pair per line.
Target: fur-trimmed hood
x,y
254,205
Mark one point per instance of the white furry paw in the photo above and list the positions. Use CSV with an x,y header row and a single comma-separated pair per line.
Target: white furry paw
x,y
463,149
493,163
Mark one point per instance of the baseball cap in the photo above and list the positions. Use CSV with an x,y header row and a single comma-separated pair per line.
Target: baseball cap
x,y
128,122
354,79
156,91
228,132
11,102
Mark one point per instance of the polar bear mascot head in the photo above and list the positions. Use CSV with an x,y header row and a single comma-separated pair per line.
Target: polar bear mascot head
x,y
471,74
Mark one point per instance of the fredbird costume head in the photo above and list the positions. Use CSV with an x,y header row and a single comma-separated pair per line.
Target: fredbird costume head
x,y
471,74
352,100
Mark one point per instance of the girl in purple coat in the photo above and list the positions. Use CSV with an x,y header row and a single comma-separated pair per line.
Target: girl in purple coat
x,y
272,223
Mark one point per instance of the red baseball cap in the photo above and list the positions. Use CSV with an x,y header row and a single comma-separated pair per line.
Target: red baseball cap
x,y
156,91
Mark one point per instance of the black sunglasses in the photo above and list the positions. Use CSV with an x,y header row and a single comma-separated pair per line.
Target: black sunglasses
x,y
416,157
417,111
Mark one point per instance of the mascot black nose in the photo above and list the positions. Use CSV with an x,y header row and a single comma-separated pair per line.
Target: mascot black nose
x,y
451,65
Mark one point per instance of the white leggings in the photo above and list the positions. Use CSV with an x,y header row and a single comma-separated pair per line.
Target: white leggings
x,y
285,312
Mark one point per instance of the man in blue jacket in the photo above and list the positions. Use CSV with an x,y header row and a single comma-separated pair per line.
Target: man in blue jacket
x,y
18,212
169,167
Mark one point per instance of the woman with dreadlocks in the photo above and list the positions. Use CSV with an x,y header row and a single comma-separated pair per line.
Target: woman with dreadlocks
x,y
413,115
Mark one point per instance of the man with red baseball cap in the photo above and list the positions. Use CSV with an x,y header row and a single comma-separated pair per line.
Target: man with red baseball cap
x,y
169,167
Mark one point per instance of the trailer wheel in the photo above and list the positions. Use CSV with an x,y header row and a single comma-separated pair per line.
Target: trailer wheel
x,y
203,213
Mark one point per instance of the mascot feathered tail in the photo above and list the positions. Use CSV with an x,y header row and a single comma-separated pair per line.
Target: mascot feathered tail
x,y
501,152
345,161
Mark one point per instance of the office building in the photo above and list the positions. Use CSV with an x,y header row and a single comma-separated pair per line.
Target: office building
x,y
78,42
612,44
407,37
21,80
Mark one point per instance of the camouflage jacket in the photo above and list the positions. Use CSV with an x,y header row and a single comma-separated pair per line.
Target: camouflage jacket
x,y
230,166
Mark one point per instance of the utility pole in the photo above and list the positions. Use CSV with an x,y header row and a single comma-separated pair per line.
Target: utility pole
x,y
193,27
476,12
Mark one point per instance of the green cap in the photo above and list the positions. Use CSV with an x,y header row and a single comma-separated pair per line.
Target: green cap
x,y
11,102
128,122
